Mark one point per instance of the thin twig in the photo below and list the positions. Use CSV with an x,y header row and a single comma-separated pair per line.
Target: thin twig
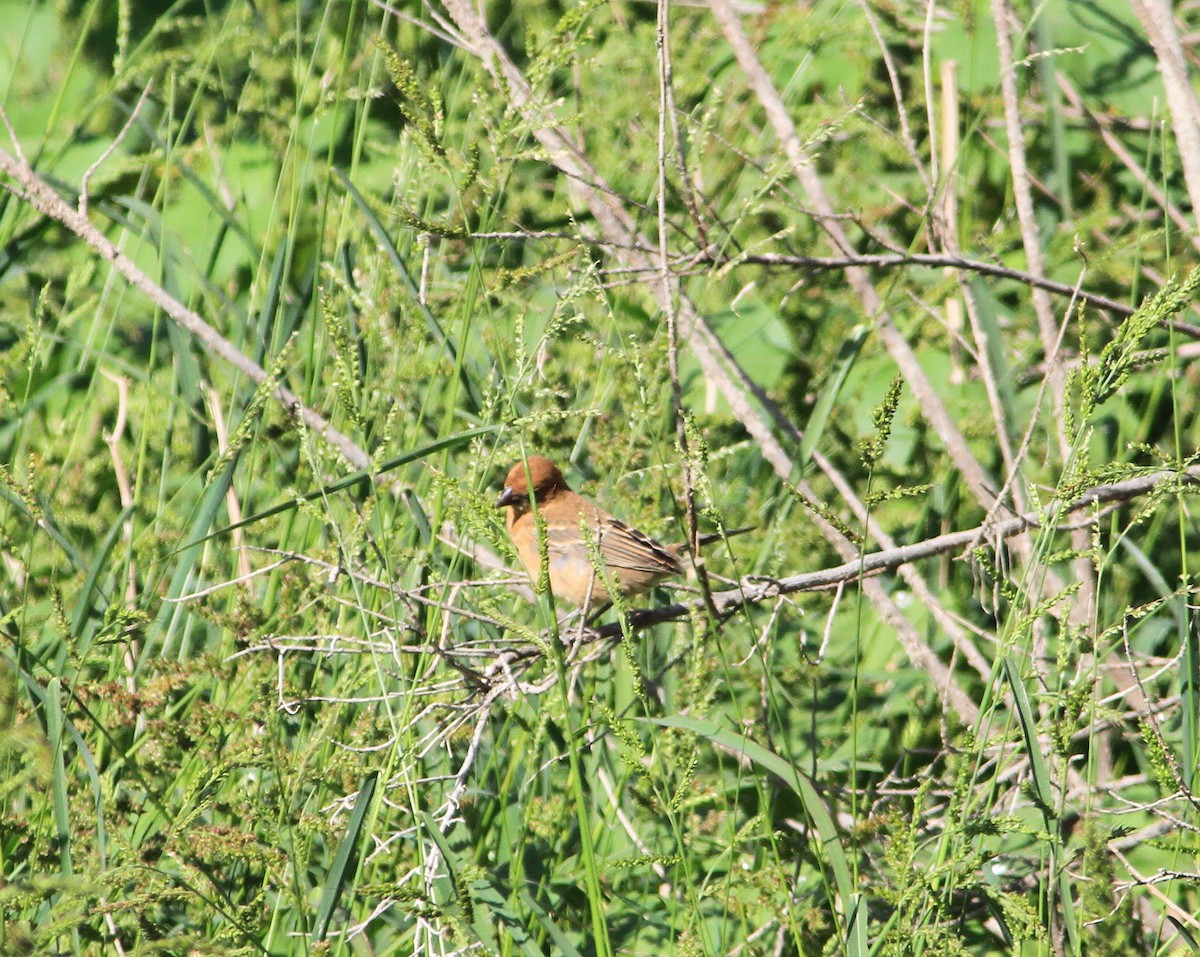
x,y
108,151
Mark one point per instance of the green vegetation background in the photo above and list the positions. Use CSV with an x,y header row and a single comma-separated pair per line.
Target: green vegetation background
x,y
338,729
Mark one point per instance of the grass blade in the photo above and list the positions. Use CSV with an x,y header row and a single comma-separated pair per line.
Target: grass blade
x,y
796,779
345,860
1043,793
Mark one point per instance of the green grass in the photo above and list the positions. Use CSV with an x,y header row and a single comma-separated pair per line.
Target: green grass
x,y
257,699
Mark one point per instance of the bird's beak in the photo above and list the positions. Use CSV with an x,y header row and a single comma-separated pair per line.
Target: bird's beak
x,y
506,497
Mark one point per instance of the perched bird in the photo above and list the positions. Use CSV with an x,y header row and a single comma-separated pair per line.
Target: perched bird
x,y
576,529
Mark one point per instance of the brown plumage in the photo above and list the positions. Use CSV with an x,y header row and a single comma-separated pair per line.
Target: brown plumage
x,y
634,562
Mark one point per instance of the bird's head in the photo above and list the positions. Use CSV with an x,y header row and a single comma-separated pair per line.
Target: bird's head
x,y
536,477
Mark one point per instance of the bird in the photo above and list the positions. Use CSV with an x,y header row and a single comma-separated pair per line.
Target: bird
x,y
576,529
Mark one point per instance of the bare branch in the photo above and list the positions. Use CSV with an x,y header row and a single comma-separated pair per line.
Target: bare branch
x,y
754,590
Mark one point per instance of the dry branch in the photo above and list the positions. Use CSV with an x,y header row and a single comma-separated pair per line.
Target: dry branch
x,y
751,591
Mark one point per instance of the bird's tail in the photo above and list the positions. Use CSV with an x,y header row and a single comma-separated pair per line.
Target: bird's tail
x,y
709,537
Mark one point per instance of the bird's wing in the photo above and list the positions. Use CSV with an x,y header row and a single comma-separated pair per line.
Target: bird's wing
x,y
624,547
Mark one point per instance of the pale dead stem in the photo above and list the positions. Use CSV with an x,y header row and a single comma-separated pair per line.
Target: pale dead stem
x,y
125,490
944,233
112,438
233,504
1156,17
906,135
1148,915
1158,20
667,116
1083,606
108,151
1004,19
